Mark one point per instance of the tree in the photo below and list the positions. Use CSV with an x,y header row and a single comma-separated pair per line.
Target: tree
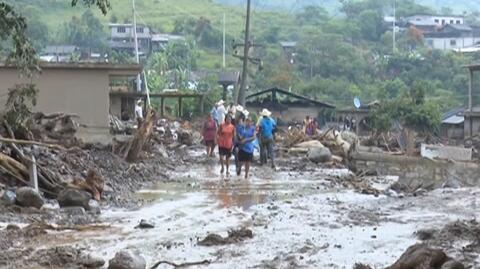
x,y
13,27
86,31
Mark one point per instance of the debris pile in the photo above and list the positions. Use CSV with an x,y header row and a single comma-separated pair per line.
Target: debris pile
x,y
233,237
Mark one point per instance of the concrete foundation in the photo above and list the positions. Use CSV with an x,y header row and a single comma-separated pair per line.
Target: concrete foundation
x,y
432,173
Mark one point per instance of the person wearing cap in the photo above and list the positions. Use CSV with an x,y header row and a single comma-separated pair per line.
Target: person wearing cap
x,y
246,147
226,133
266,128
139,113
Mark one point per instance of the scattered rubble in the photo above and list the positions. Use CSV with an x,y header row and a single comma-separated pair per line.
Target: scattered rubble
x,y
233,237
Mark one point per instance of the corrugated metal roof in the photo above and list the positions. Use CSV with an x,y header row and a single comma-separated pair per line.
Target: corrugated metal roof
x,y
454,120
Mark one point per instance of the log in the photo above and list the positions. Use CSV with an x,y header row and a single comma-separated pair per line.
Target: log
x,y
181,265
28,142
141,136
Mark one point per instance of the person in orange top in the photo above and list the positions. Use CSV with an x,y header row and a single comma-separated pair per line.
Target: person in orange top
x,y
226,133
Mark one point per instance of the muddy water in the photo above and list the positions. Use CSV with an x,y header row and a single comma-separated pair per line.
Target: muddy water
x,y
299,220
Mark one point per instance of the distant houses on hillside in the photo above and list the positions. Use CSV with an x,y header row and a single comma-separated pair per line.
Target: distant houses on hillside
x,y
443,32
122,38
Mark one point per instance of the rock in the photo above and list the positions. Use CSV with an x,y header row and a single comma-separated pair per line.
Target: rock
x,y
310,144
94,207
127,260
13,227
9,197
73,210
420,256
319,155
73,197
91,261
425,234
348,136
144,224
452,264
28,197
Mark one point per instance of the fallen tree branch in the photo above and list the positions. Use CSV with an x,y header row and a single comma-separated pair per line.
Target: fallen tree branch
x,y
180,265
28,142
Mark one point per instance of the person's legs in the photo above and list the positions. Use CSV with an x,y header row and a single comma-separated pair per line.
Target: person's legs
x,y
227,163
220,153
247,169
270,151
263,152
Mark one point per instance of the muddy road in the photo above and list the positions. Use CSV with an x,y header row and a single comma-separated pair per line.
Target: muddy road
x,y
299,218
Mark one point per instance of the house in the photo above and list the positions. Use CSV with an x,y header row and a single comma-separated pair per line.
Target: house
x,y
289,50
438,20
472,113
82,89
160,41
292,108
59,53
453,37
122,37
452,126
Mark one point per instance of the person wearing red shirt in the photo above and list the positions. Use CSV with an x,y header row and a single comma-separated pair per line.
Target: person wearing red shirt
x,y
209,134
226,133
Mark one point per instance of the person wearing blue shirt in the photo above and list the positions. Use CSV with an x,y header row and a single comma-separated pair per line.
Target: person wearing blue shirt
x,y
267,128
246,147
215,115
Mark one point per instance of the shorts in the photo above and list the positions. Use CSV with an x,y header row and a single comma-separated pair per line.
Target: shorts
x,y
245,156
225,152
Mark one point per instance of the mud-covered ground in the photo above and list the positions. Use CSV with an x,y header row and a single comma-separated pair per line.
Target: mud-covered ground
x,y
301,216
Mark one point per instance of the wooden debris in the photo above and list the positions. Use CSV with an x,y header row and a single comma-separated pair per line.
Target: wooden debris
x,y
180,265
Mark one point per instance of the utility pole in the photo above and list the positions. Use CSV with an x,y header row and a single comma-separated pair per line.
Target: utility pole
x,y
224,61
243,85
394,24
137,58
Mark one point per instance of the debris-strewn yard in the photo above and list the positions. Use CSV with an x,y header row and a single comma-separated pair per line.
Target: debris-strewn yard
x,y
172,207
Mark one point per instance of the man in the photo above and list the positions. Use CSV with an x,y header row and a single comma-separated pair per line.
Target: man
x,y
214,113
139,113
246,148
221,112
232,110
266,127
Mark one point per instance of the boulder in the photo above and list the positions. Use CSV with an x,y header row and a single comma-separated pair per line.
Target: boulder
x,y
28,197
73,197
420,256
452,264
319,155
127,260
310,144
144,224
9,197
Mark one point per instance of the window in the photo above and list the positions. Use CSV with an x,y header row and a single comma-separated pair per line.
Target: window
x,y
443,21
140,30
453,42
451,21
458,21
121,29
437,21
430,43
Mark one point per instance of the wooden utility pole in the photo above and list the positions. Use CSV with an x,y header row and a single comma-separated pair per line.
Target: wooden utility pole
x,y
243,86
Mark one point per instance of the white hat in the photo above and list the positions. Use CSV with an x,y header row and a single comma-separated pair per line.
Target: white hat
x,y
246,113
221,102
239,108
139,101
265,113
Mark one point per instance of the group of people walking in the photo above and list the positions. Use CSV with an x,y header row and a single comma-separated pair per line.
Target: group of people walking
x,y
235,133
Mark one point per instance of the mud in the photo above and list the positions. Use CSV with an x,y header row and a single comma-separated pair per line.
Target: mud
x,y
298,216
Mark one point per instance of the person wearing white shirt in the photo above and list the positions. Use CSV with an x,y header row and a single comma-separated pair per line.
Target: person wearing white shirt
x,y
139,113
221,112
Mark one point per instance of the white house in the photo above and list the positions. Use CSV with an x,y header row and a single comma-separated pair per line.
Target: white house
x,y
438,20
122,37
453,37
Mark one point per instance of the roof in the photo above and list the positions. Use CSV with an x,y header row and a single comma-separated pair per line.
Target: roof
x,y
228,77
166,37
459,27
121,45
94,66
288,44
473,66
124,25
60,49
426,15
458,111
454,120
290,94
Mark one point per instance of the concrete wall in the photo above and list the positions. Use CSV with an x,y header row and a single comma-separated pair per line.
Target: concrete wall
x,y
84,92
415,169
472,126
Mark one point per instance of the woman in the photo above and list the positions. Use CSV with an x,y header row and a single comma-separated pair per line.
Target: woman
x,y
245,153
209,134
226,133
